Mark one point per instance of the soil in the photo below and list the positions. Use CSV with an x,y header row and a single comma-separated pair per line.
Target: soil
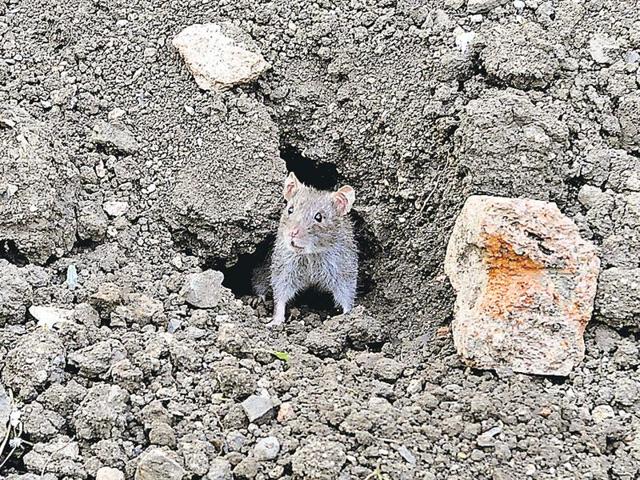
x,y
121,180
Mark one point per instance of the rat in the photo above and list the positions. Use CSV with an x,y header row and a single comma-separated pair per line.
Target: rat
x,y
314,246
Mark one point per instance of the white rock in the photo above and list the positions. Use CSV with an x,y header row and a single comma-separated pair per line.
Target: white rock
x,y
49,316
266,448
219,56
115,209
107,473
115,114
602,413
600,47
463,39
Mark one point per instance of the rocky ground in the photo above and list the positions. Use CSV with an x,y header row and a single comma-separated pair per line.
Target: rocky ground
x,y
124,188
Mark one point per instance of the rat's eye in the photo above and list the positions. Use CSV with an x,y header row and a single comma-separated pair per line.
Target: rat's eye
x,y
290,210
318,217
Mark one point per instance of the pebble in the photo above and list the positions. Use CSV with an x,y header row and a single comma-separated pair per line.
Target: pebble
x,y
258,408
266,449
48,317
388,369
116,114
602,413
219,469
204,289
115,208
72,277
246,469
407,455
107,473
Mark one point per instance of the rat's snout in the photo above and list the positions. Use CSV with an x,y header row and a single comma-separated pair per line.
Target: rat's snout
x,y
294,232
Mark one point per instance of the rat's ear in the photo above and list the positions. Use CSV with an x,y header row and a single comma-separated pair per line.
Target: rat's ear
x,y
343,199
291,186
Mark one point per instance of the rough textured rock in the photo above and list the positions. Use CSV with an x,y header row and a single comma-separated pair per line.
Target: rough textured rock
x,y
267,448
102,413
204,289
42,184
67,461
220,469
92,222
108,473
629,116
116,137
505,132
618,299
159,464
219,56
37,359
480,6
525,283
319,460
209,208
519,56
15,294
258,408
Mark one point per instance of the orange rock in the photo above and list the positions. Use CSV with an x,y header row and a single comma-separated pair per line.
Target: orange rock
x,y
525,283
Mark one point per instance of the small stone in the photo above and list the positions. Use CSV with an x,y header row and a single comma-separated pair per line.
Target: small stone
x,y
115,208
246,469
49,316
114,137
219,469
92,222
116,114
15,294
602,413
480,6
487,438
37,359
107,297
72,277
600,48
525,283
407,455
388,369
107,473
162,434
319,460
203,290
159,464
518,5
618,299
285,412
266,449
219,56
258,408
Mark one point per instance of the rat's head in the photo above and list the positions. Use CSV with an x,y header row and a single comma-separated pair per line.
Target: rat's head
x,y
312,219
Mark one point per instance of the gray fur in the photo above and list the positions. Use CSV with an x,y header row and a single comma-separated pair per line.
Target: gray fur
x,y
327,257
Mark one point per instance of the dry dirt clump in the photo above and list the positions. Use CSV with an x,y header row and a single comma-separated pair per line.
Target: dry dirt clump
x,y
126,191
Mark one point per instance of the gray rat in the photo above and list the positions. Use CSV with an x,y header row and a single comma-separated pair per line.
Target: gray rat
x,y
315,246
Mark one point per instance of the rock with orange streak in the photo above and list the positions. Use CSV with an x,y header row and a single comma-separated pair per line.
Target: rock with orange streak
x,y
525,283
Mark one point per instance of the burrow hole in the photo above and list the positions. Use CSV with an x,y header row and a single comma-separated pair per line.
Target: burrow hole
x,y
10,252
324,176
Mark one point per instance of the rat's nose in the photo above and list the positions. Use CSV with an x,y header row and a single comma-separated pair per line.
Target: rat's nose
x,y
295,231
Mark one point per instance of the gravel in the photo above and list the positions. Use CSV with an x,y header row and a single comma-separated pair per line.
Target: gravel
x,y
115,162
